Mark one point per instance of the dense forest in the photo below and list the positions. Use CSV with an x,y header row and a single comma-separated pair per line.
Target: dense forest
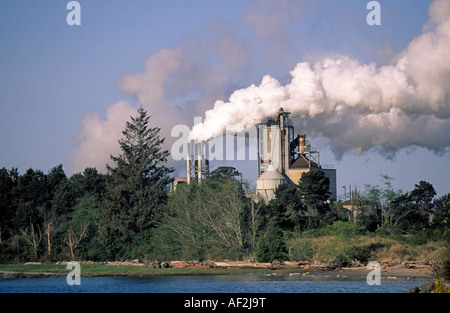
x,y
131,213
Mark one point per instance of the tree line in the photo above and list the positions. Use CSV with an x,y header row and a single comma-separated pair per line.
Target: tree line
x,y
130,212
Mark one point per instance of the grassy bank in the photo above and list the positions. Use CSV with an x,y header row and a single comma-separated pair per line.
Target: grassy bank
x,y
96,270
336,251
109,270
326,249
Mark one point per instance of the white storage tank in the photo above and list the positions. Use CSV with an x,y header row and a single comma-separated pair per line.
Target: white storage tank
x,y
268,182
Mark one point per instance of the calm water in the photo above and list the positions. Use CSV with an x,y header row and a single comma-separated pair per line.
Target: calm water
x,y
201,284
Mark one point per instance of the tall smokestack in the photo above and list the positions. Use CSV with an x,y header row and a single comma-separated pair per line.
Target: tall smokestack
x,y
188,166
206,159
283,116
199,162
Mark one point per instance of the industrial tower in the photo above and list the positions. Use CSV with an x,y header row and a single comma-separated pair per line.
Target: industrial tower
x,y
283,158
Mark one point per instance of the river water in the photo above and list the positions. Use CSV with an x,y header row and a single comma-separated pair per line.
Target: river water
x,y
203,284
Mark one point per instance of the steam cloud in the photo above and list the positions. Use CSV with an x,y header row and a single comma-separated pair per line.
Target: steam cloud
x,y
357,106
175,86
98,138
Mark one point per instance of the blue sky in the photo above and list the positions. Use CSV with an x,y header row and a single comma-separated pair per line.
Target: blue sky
x,y
53,76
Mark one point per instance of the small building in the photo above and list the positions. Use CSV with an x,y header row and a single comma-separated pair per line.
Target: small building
x,y
352,207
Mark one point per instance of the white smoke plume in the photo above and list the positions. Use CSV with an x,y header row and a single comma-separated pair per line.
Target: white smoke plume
x,y
357,107
99,138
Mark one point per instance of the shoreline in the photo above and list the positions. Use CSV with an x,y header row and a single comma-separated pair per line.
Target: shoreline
x,y
308,271
391,273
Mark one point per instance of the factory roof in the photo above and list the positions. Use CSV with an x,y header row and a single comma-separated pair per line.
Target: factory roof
x,y
302,163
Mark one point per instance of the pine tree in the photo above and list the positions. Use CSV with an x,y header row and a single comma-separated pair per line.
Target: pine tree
x,y
137,183
313,189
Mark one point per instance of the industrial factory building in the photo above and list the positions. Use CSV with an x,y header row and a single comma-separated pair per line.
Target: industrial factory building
x,y
282,157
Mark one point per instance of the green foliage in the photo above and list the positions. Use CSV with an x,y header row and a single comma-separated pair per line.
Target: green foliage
x,y
89,213
349,255
445,270
287,210
129,213
7,184
137,184
103,216
204,221
420,238
344,229
412,210
225,173
300,250
30,198
441,214
272,247
313,190
307,206
338,228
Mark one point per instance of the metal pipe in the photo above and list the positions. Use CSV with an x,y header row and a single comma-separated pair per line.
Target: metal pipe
x,y
199,166
206,159
188,165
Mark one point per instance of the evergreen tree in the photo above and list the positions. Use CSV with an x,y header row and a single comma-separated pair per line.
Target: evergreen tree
x,y
287,209
412,210
313,188
31,198
55,177
137,183
7,182
441,216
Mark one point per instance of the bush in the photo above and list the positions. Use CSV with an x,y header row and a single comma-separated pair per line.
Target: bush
x,y
338,228
350,255
440,287
313,233
300,250
272,247
416,240
344,229
445,271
